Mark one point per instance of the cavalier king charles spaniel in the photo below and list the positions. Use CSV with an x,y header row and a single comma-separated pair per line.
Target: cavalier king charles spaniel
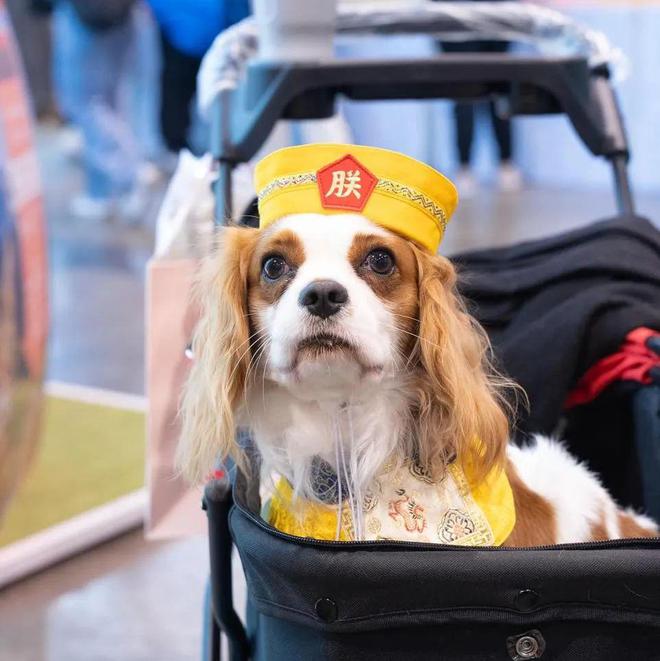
x,y
341,344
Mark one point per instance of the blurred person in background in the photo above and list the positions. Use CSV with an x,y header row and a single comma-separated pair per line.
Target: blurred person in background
x,y
31,22
509,178
95,47
188,28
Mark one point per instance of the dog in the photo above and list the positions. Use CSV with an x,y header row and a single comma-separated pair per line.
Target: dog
x,y
342,344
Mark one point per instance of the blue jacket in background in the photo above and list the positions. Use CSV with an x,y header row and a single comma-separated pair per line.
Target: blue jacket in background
x,y
192,25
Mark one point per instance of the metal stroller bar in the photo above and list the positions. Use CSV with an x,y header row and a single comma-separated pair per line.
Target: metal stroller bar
x,y
624,196
217,503
613,121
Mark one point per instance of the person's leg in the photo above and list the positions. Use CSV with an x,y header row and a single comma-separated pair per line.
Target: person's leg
x,y
85,91
121,48
501,127
66,50
464,116
502,130
178,87
463,112
110,160
464,179
464,130
509,178
143,86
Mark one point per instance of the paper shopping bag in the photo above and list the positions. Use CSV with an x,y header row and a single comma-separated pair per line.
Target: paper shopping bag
x,y
174,508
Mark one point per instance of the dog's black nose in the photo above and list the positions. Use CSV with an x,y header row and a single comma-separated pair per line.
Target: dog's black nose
x,y
323,298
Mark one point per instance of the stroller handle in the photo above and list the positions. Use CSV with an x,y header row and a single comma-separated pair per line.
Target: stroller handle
x,y
550,31
244,96
244,117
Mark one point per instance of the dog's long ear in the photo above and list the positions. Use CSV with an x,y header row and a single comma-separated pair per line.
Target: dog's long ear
x,y
221,356
460,399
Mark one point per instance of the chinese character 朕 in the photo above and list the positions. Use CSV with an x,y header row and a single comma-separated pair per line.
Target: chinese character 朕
x,y
345,183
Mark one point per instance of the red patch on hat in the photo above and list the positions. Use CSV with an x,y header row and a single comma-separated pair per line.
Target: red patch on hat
x,y
345,184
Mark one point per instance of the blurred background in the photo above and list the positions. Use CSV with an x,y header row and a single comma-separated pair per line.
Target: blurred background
x,y
97,100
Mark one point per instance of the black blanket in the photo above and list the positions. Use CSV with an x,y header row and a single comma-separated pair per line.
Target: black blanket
x,y
554,307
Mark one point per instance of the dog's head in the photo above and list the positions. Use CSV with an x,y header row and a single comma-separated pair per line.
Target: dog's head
x,y
332,308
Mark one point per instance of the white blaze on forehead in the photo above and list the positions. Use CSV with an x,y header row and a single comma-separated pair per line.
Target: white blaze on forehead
x,y
327,240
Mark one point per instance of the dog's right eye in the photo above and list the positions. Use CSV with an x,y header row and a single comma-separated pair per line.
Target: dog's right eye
x,y
275,267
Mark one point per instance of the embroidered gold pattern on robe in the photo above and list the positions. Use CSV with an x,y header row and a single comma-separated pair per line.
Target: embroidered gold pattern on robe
x,y
404,505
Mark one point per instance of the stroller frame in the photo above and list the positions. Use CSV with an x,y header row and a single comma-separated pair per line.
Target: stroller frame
x,y
243,118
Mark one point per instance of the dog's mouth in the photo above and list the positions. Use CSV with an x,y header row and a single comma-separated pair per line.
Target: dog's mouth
x,y
333,354
322,345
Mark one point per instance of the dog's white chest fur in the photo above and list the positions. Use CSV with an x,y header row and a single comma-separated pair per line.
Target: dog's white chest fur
x,y
362,429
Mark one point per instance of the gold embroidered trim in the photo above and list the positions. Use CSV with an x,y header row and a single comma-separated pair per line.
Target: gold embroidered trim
x,y
482,534
389,186
413,195
286,182
399,509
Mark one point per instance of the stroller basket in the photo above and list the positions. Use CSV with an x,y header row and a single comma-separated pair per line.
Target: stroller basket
x,y
395,600
386,600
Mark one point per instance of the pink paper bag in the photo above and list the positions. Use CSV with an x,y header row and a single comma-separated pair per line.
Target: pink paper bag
x,y
174,508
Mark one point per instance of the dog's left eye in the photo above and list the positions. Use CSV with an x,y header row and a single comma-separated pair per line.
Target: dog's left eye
x,y
275,267
380,261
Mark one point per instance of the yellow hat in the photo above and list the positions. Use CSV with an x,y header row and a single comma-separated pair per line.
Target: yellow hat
x,y
391,189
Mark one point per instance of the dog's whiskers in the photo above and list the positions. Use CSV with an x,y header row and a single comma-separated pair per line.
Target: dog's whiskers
x,y
254,361
340,500
263,380
257,335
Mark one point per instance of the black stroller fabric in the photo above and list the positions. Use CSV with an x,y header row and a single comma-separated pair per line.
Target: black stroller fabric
x,y
554,307
401,601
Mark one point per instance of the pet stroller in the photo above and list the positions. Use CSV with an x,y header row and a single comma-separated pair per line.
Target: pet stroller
x,y
311,599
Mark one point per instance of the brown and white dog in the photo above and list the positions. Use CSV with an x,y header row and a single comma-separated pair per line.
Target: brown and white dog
x,y
320,313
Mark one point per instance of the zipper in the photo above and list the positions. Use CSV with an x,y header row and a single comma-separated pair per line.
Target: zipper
x,y
429,546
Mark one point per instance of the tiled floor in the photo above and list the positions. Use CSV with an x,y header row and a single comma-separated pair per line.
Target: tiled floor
x,y
130,600
125,600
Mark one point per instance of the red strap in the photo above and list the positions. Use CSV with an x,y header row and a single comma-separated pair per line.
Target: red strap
x,y
217,474
632,362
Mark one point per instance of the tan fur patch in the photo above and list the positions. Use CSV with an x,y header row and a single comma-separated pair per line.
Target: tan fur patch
x,y
397,290
285,244
598,532
219,372
458,395
536,523
629,528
